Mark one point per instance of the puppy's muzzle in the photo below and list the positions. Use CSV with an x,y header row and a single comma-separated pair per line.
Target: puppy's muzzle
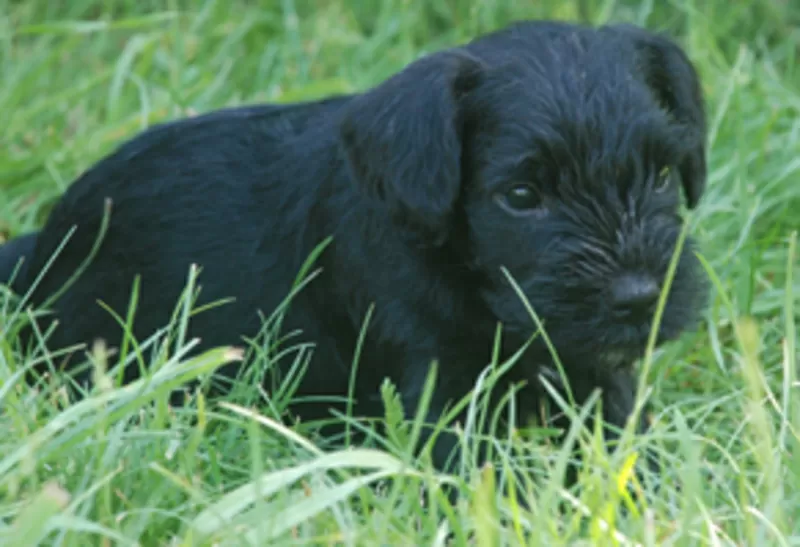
x,y
634,296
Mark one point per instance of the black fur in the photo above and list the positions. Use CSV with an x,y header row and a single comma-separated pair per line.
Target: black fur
x,y
14,259
409,178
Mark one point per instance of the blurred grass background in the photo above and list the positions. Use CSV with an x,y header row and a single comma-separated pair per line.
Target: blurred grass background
x,y
78,77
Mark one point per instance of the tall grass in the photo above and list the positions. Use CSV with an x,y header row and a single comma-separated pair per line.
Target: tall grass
x,y
122,467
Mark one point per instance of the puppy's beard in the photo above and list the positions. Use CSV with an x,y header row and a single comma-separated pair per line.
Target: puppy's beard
x,y
608,360
617,359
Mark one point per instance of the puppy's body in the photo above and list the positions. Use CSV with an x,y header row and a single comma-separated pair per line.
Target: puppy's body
x,y
538,148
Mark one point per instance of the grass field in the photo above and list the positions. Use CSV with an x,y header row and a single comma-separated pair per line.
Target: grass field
x,y
116,469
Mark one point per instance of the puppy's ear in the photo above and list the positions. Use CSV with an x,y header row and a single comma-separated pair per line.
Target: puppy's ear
x,y
675,82
403,141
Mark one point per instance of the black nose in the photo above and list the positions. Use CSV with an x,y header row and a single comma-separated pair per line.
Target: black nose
x,y
635,293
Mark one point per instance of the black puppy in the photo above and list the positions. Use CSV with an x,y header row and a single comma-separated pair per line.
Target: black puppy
x,y
554,150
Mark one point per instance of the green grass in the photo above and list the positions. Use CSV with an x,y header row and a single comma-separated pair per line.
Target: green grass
x,y
123,468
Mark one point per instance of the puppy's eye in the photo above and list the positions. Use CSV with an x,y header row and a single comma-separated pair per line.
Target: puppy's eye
x,y
664,180
520,199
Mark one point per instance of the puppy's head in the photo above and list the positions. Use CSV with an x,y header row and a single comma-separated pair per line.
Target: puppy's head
x,y
560,153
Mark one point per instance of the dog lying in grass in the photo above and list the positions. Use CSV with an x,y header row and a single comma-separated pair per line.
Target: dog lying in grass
x,y
551,154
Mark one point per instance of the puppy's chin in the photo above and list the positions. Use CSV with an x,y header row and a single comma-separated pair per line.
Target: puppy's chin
x,y
607,347
603,358
619,358
614,346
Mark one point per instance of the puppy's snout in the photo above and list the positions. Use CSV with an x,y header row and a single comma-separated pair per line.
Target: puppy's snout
x,y
634,294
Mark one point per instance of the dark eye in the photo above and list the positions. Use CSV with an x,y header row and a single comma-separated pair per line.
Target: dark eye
x,y
664,180
520,198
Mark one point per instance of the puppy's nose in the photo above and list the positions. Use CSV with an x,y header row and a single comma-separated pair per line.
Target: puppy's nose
x,y
634,293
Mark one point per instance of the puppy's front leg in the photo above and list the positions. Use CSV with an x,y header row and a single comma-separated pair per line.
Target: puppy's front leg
x,y
450,387
619,399
444,452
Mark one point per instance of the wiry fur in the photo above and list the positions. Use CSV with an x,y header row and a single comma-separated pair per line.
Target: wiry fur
x,y
405,178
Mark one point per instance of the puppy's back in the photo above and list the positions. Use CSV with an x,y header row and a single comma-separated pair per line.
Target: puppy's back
x,y
271,122
209,191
